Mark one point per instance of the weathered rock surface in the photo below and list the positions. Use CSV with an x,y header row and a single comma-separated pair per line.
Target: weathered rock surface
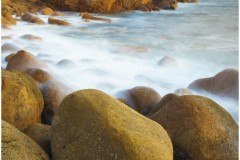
x,y
58,22
24,60
16,145
89,121
199,128
7,18
22,101
224,84
87,16
32,18
40,133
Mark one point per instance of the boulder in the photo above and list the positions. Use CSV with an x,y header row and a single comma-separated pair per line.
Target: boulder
x,y
87,16
22,101
90,121
58,22
224,84
143,99
8,47
40,133
47,11
8,57
199,128
165,100
28,17
39,75
31,37
182,91
53,93
24,60
16,145
167,61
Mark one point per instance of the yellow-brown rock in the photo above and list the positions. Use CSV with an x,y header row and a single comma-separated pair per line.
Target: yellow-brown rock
x,y
199,129
39,75
22,101
18,146
47,11
58,22
86,15
31,37
92,125
40,133
8,57
24,60
32,19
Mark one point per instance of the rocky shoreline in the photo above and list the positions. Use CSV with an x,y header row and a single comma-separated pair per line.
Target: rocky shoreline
x,y
43,119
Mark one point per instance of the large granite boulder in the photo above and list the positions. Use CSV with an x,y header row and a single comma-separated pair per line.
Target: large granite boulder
x,y
199,128
22,101
23,60
92,125
224,84
18,146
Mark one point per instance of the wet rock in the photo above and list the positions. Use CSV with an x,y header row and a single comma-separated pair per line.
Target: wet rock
x,y
66,63
86,15
144,8
167,62
130,49
6,37
8,57
39,75
143,99
224,84
16,145
24,60
182,91
90,121
188,1
199,128
22,101
31,37
58,22
165,4
47,11
32,19
53,93
40,133
8,47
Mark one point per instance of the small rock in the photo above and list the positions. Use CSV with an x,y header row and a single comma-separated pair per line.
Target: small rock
x,y
8,47
32,19
87,16
167,61
58,22
31,37
47,11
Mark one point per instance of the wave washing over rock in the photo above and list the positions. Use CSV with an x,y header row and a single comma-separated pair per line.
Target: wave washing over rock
x,y
102,67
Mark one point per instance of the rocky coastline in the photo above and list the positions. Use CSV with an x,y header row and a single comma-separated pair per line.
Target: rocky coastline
x,y
43,119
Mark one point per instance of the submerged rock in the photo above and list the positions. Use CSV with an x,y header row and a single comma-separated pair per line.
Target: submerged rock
x,y
31,37
188,1
199,128
58,22
167,62
86,15
53,93
182,91
40,133
224,84
16,145
66,63
22,101
90,124
32,19
39,75
58,14
8,47
24,60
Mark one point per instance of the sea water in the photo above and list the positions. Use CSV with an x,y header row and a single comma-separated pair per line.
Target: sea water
x,y
202,38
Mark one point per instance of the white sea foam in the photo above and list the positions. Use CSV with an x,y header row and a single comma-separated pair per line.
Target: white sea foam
x,y
202,38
